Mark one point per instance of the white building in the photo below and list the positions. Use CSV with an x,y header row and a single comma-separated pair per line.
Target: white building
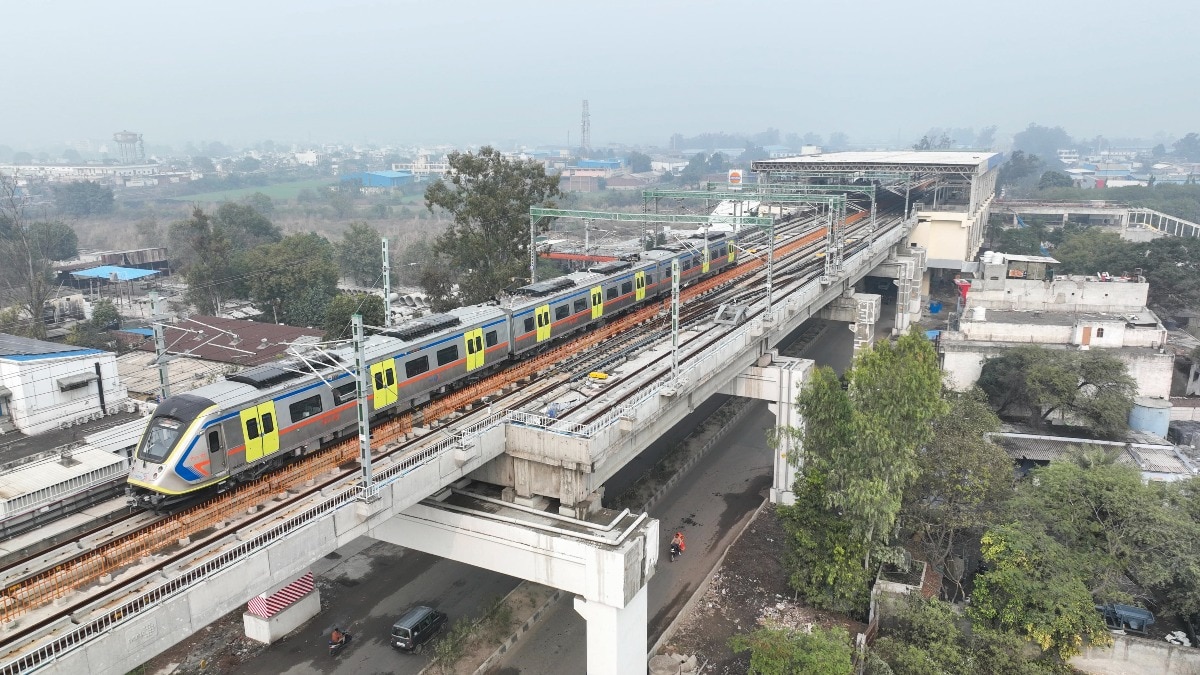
x,y
44,385
65,173
1006,308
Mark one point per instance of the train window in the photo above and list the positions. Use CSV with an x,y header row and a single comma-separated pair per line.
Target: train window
x,y
214,441
379,381
562,312
649,278
346,392
251,429
416,366
627,288
529,325
304,409
268,423
685,265
610,293
580,305
721,251
391,376
490,338
447,355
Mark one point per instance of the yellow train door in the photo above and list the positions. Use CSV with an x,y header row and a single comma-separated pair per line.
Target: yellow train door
x,y
383,383
732,253
704,265
639,286
542,315
597,302
260,428
252,432
475,353
270,427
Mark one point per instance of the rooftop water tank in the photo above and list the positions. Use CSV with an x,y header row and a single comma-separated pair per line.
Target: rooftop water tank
x,y
1152,415
979,313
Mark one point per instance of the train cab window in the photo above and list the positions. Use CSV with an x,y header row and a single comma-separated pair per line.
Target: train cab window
x,y
580,306
346,392
214,441
490,338
529,325
161,435
268,423
304,409
447,355
562,312
416,366
610,293
627,288
252,429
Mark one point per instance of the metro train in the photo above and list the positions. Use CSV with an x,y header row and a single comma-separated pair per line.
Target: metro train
x,y
235,430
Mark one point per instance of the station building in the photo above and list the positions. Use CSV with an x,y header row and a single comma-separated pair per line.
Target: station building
x,y
1018,300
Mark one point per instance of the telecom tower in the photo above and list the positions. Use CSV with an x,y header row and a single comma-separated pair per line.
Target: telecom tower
x,y
130,145
585,130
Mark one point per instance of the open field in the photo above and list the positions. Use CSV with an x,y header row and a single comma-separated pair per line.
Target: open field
x,y
277,191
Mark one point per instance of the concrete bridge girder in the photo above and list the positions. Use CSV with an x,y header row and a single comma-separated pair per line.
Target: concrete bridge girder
x,y
609,579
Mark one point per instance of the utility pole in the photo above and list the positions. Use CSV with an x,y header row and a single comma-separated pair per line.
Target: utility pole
x,y
532,251
160,347
387,286
675,320
770,270
367,491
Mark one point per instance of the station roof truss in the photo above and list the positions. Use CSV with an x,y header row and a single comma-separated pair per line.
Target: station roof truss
x,y
537,213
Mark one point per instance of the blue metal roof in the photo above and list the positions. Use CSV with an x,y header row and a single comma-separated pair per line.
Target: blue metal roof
x,y
16,348
106,272
148,332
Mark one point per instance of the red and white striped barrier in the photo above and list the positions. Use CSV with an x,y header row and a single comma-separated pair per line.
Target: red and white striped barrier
x,y
266,606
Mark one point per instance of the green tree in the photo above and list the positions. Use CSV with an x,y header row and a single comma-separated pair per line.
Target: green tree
x,y
638,162
94,332
784,651
1092,387
209,267
859,454
1033,589
359,255
964,479
344,306
1044,142
57,240
752,154
245,225
1188,147
1019,166
487,244
24,263
294,278
261,203
1055,179
694,172
84,198
247,164
203,165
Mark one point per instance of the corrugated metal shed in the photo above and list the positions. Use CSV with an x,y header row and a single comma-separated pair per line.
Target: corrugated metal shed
x,y
40,482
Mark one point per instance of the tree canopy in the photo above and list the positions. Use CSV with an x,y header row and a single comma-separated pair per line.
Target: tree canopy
x,y
783,651
84,198
1188,147
344,306
56,239
638,162
359,255
1090,387
295,278
25,254
486,246
857,459
1055,179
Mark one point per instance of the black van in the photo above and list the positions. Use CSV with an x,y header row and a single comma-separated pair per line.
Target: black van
x,y
415,627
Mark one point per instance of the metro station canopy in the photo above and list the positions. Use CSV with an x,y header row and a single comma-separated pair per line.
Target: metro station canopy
x,y
974,163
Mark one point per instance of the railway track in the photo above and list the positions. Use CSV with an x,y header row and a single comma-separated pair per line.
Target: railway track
x,y
173,539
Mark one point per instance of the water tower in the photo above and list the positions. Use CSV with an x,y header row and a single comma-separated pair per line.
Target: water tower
x,y
131,149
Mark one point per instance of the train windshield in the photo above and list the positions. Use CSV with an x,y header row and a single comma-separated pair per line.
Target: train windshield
x,y
159,439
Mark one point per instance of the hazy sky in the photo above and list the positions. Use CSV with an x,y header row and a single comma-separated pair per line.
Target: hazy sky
x,y
504,70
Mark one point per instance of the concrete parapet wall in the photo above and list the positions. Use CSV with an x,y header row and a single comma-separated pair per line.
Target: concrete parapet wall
x,y
1131,655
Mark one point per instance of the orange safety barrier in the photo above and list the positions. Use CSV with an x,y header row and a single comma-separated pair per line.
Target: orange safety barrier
x,y
21,598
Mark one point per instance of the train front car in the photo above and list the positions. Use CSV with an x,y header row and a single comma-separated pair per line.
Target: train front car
x,y
162,474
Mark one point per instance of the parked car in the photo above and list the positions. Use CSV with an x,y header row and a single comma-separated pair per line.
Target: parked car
x,y
415,627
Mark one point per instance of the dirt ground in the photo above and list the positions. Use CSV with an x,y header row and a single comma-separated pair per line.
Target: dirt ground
x,y
747,590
